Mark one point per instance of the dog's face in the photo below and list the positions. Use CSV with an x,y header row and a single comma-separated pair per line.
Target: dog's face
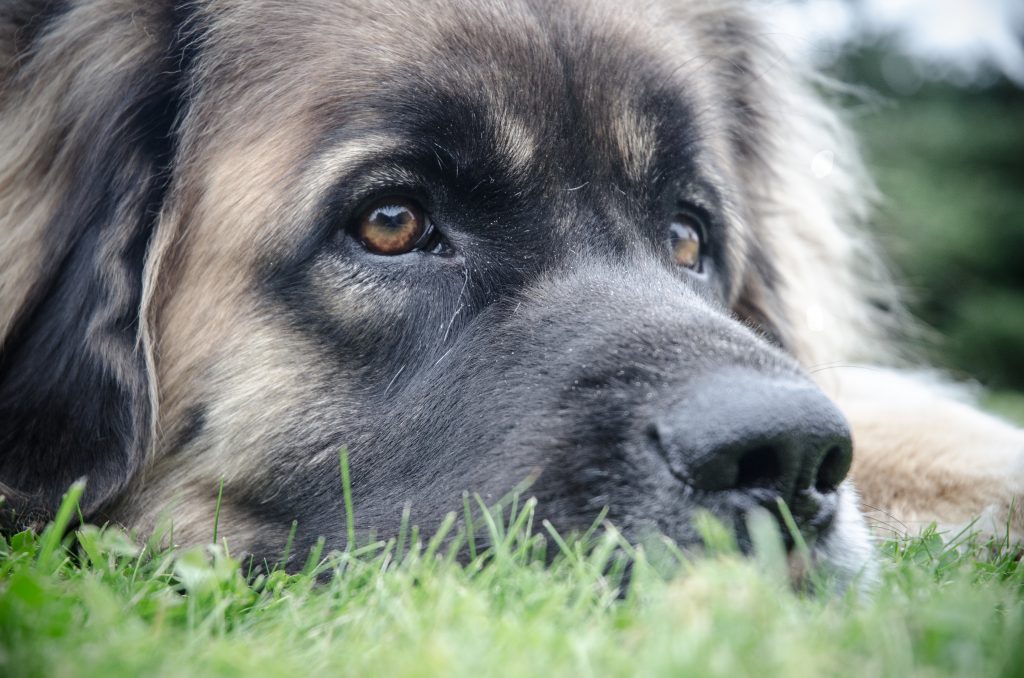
x,y
476,246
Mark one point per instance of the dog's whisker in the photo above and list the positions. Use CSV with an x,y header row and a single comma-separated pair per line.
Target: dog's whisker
x,y
465,284
444,355
393,380
824,367
887,514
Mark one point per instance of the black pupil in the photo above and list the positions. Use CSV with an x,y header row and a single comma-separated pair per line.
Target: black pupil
x,y
393,217
683,229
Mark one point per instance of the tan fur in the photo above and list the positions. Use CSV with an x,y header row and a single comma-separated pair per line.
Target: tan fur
x,y
514,142
205,298
636,141
923,455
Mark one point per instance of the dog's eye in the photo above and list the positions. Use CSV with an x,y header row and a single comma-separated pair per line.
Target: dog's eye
x,y
392,226
686,241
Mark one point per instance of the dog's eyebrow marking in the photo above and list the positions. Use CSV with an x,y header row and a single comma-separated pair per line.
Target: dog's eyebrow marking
x,y
636,138
325,170
514,142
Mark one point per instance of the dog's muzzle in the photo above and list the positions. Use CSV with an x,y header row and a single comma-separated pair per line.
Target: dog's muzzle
x,y
749,440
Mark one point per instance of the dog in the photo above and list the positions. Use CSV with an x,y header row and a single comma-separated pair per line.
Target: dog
x,y
616,251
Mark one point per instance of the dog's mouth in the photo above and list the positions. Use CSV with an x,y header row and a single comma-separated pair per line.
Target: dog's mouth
x,y
816,510
730,443
790,474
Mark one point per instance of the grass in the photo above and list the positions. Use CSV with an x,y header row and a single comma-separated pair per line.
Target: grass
x,y
96,602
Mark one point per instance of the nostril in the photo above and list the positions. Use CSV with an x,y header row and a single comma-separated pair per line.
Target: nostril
x,y
654,436
760,467
833,468
755,439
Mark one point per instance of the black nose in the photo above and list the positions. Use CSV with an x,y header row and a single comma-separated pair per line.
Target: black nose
x,y
758,436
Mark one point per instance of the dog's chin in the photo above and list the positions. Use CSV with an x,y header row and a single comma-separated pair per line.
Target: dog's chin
x,y
846,551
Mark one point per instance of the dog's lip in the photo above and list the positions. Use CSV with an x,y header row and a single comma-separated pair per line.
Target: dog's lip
x,y
828,508
739,505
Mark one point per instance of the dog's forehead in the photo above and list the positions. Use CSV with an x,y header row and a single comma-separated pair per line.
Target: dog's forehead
x,y
523,73
518,97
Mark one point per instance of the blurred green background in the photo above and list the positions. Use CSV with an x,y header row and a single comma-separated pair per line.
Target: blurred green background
x,y
949,160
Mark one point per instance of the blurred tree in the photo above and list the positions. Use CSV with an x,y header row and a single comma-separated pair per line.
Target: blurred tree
x,y
950,161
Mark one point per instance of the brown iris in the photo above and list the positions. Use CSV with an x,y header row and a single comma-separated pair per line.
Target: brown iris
x,y
392,226
687,249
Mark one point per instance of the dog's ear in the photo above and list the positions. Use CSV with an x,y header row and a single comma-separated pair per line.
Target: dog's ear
x,y
814,280
88,106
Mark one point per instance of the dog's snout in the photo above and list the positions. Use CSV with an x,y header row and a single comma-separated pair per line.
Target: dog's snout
x,y
757,437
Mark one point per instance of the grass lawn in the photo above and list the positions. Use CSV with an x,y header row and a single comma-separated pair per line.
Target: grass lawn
x,y
97,604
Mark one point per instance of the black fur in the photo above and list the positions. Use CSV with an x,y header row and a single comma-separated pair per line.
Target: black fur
x,y
28,19
74,396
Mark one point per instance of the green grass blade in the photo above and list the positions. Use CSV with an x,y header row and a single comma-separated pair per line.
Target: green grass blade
x,y
49,556
346,489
